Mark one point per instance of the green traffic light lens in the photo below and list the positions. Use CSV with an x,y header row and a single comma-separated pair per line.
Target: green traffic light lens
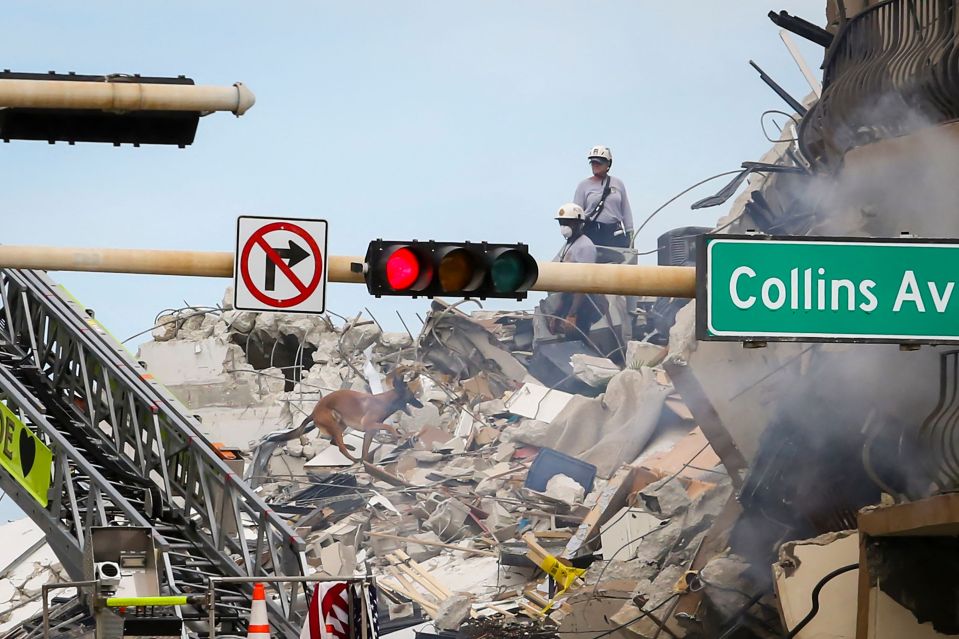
x,y
510,272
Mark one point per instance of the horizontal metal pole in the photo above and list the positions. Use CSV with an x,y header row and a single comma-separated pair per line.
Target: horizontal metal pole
x,y
124,96
617,279
612,279
269,579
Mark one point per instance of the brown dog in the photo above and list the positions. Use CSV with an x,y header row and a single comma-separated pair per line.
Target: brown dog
x,y
344,409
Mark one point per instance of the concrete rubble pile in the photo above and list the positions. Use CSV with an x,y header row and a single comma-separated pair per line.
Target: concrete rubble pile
x,y
496,477
26,565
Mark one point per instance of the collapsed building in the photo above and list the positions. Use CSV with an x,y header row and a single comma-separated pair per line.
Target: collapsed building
x,y
688,489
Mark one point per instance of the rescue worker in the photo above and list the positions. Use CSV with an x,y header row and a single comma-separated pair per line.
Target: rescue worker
x,y
609,218
573,314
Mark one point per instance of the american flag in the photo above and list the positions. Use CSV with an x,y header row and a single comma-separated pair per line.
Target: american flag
x,y
329,612
365,614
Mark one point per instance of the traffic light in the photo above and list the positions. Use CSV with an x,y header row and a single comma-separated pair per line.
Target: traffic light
x,y
459,269
116,108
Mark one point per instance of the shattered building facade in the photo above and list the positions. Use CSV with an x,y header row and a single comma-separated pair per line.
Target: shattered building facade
x,y
694,489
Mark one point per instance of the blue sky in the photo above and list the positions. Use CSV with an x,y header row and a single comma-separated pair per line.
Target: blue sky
x,y
434,120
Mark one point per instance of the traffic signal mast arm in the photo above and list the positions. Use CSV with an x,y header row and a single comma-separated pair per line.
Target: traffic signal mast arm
x,y
617,279
613,279
124,95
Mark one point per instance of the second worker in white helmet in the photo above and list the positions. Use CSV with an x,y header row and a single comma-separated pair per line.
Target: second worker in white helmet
x,y
609,218
571,315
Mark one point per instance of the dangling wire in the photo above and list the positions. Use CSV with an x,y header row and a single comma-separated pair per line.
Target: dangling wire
x,y
632,239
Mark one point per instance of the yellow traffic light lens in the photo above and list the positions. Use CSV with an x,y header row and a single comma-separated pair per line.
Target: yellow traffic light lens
x,y
510,272
457,271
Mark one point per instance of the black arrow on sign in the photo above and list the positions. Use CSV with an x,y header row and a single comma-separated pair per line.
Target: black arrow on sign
x,y
293,256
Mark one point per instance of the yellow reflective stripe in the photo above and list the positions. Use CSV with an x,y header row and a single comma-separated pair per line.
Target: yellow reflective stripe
x,y
132,602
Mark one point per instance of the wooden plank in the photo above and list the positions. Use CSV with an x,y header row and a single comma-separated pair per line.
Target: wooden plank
x,y
402,579
422,571
933,516
864,596
530,610
708,420
553,534
428,608
536,598
536,553
502,611
439,593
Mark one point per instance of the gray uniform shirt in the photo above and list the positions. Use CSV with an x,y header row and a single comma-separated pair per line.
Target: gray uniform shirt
x,y
581,250
616,210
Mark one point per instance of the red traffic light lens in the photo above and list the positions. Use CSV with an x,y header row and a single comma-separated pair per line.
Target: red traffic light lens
x,y
402,269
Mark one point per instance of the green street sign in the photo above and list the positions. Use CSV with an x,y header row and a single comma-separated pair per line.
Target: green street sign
x,y
812,289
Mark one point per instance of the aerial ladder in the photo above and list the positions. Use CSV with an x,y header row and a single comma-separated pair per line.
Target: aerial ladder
x,y
126,453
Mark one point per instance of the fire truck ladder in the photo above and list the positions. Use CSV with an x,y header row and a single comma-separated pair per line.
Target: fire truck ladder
x,y
127,453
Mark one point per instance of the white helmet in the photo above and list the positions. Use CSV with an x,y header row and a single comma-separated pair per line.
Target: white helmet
x,y
601,152
571,212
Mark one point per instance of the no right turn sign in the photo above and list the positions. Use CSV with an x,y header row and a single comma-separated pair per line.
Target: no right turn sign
x,y
280,264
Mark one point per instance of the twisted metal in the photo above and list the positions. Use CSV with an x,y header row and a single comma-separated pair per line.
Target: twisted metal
x,y
939,434
891,70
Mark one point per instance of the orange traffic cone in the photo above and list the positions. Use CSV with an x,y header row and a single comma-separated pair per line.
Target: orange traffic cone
x,y
259,626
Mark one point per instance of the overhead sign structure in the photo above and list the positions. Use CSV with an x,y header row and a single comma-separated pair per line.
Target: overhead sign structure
x,y
24,456
810,289
280,265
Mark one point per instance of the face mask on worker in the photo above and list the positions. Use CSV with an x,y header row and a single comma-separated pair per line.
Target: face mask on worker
x,y
567,231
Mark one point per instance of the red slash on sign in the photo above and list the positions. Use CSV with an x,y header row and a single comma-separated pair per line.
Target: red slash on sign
x,y
276,258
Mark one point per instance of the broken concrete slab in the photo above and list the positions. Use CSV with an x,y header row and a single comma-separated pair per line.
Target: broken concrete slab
x,y
624,418
565,489
358,337
165,328
394,341
727,584
595,371
528,431
622,535
453,611
422,552
238,321
535,401
421,418
666,497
